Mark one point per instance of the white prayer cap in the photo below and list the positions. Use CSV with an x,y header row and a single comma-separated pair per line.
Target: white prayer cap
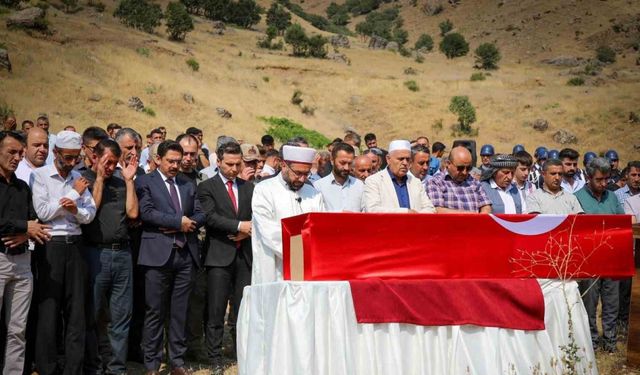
x,y
298,154
69,140
399,145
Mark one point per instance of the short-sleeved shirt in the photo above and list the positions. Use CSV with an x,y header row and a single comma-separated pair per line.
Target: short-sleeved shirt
x,y
110,223
632,206
545,202
446,193
607,205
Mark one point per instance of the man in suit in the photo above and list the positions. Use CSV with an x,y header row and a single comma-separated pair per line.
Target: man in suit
x,y
171,215
394,189
226,199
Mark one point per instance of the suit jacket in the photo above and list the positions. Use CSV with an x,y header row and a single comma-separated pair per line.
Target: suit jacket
x,y
380,195
156,211
222,220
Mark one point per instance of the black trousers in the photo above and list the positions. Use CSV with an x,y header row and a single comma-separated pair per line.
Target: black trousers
x,y
167,291
62,288
220,280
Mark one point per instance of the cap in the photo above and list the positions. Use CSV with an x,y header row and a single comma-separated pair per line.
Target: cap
x,y
298,154
249,152
69,140
399,145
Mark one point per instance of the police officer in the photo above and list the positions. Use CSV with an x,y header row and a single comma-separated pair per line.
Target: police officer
x,y
486,152
614,161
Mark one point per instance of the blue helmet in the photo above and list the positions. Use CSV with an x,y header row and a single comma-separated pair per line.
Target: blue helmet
x,y
541,152
517,148
487,150
553,154
612,155
588,156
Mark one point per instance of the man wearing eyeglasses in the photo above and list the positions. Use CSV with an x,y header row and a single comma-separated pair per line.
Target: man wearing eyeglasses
x,y
61,199
456,191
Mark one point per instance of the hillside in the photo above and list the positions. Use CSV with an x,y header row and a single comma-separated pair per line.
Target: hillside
x,y
92,56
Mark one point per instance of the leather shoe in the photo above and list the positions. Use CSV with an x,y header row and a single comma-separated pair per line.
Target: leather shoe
x,y
180,371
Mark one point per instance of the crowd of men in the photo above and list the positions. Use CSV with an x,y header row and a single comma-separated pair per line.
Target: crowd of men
x,y
114,250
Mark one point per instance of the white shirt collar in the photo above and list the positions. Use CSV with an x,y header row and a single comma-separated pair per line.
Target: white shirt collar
x,y
165,178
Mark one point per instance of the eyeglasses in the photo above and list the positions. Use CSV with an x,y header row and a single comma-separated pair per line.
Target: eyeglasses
x,y
298,174
462,168
69,158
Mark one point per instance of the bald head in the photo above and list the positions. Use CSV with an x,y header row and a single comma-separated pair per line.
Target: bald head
x,y
362,167
459,163
37,148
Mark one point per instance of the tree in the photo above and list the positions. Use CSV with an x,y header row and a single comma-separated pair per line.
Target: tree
x,y
400,36
278,17
217,10
445,27
462,107
139,14
454,45
424,41
179,22
487,56
317,46
193,6
296,36
245,13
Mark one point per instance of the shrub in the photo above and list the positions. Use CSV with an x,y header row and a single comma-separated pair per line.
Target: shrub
x,y
454,45
193,6
284,129
400,36
606,54
139,14
575,81
419,58
70,5
478,77
309,111
424,41
179,22
217,10
445,27
382,24
143,51
99,6
266,42
317,21
266,79
357,7
404,52
245,13
296,36
462,107
487,56
5,111
149,111
412,86
317,46
437,125
193,64
296,99
278,17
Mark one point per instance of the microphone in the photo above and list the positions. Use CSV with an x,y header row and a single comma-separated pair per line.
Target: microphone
x,y
299,199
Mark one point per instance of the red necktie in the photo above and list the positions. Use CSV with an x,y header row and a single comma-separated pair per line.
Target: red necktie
x,y
234,202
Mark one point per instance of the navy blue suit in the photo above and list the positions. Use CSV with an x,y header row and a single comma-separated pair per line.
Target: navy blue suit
x,y
168,267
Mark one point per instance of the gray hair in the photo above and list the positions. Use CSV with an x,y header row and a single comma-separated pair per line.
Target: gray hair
x,y
598,164
551,163
224,139
129,133
419,148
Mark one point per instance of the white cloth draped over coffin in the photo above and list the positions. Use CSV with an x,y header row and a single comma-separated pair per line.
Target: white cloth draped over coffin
x,y
310,328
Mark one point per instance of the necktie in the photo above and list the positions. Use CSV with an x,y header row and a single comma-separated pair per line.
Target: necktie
x,y
232,196
179,238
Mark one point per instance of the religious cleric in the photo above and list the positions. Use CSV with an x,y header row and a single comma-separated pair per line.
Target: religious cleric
x,y
282,196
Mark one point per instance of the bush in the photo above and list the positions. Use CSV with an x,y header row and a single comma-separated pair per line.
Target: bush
x,y
309,111
383,24
400,36
143,51
284,129
296,36
317,21
278,17
487,56
445,27
419,58
462,107
454,45
412,86
149,111
576,81
245,13
296,99
193,64
139,14
217,10
478,77
357,7
606,54
317,46
179,22
424,41
266,42
70,5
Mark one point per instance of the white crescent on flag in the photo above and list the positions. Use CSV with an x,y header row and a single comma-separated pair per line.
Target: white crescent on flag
x,y
537,225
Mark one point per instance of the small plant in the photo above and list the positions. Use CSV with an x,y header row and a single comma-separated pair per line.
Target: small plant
x,y
466,112
425,41
576,81
149,111
412,86
606,54
478,77
404,52
419,58
445,27
454,45
193,64
296,99
309,111
284,129
99,6
487,56
179,22
437,125
266,79
151,90
143,51
70,5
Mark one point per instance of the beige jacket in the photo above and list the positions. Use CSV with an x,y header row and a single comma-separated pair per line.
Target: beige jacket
x,y
380,195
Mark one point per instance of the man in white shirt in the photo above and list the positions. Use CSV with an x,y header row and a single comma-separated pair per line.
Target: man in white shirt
x,y
570,181
35,154
288,194
61,199
340,191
